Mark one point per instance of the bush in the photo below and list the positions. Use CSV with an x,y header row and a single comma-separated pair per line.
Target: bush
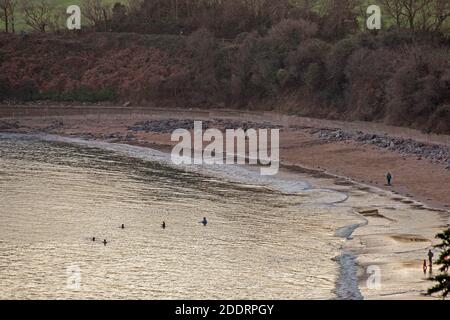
x,y
366,75
288,34
5,87
80,94
418,87
282,77
26,90
311,51
439,121
314,76
202,47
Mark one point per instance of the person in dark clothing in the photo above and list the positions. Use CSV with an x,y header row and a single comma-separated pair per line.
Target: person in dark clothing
x,y
204,222
163,225
93,238
105,242
123,226
430,258
424,266
389,178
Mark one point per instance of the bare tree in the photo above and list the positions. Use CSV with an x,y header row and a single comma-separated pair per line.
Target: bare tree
x,y
433,15
394,8
412,9
97,12
37,14
425,15
7,11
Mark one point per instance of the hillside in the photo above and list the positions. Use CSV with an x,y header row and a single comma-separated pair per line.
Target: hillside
x,y
365,77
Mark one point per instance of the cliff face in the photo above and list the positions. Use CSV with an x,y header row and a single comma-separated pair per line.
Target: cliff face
x,y
387,77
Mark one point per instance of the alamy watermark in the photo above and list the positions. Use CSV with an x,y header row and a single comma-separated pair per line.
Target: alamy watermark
x,y
373,21
374,280
74,20
251,146
73,281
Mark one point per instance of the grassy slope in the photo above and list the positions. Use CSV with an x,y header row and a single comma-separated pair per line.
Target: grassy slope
x,y
58,5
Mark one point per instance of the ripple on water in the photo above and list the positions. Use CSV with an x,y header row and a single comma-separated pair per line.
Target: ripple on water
x,y
56,195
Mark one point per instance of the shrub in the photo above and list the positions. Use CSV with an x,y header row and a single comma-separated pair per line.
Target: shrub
x,y
201,46
439,121
314,76
282,77
336,62
311,51
418,87
366,75
25,90
80,94
5,87
288,34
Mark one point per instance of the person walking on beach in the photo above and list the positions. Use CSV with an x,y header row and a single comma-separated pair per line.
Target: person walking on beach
x,y
425,266
123,226
163,225
430,258
389,178
105,242
204,222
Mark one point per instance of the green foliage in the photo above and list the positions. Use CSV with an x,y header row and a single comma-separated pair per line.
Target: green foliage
x,y
282,77
314,76
443,280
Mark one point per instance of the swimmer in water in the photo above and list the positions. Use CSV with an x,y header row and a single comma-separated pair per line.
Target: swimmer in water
x,y
163,225
204,222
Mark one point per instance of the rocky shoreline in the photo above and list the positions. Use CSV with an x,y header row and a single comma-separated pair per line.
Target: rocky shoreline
x,y
436,154
169,125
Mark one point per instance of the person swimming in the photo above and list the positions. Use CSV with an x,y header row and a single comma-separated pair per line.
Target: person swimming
x,y
163,225
204,222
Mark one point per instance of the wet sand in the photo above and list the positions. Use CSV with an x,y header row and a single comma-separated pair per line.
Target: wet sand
x,y
397,224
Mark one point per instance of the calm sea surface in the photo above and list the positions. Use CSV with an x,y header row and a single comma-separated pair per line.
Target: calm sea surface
x,y
266,239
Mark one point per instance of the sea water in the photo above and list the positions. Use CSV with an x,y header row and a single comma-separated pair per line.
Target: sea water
x,y
267,237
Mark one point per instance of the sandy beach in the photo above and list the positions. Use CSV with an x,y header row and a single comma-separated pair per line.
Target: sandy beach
x,y
395,223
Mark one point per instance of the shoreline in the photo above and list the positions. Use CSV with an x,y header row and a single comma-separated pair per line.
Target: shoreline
x,y
310,143
346,285
358,241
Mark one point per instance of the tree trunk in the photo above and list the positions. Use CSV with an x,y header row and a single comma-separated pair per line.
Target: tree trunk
x,y
5,12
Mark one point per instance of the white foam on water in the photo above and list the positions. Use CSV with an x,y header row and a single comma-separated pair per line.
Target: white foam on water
x,y
235,173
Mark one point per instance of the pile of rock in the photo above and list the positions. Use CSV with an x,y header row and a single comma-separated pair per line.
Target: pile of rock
x,y
433,152
169,125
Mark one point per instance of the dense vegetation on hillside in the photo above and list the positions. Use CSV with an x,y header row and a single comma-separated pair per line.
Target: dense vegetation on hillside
x,y
306,57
